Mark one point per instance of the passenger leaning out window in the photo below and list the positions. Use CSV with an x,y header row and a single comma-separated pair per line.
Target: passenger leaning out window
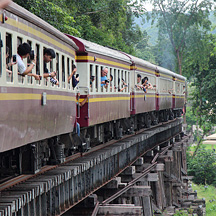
x,y
74,76
104,76
48,56
23,52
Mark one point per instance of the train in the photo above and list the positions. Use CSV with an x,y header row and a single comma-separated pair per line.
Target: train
x,y
42,123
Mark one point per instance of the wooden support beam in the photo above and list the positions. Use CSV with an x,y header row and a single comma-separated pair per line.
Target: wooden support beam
x,y
138,191
120,209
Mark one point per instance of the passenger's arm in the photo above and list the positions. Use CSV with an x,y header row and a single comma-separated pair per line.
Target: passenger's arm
x,y
52,74
37,77
73,72
84,101
29,68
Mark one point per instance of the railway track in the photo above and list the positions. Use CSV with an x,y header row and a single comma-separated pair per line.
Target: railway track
x,y
63,186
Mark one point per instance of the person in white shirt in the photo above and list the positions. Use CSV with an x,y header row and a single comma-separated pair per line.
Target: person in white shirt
x,y
23,52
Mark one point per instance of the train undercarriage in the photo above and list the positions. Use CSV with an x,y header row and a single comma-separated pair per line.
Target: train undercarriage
x,y
32,157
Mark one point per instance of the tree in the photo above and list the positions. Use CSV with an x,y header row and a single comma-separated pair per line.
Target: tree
x,y
203,167
201,66
106,22
175,20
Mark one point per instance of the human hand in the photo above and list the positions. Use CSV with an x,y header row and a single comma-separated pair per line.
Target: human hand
x,y
35,59
37,77
53,74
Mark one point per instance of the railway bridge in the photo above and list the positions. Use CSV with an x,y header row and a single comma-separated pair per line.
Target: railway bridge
x,y
140,174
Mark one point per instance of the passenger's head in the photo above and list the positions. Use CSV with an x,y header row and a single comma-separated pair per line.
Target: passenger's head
x,y
111,77
49,54
138,78
73,67
92,78
144,80
104,72
24,50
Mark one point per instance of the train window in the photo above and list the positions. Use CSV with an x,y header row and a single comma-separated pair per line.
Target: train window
x,y
47,66
9,68
126,79
57,66
111,81
37,61
177,88
68,71
29,78
91,78
20,77
63,72
96,78
119,80
115,78
51,66
99,81
19,41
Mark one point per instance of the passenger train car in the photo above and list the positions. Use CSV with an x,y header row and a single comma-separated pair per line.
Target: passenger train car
x,y
39,121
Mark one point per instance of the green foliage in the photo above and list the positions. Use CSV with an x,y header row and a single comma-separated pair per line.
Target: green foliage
x,y
203,167
181,213
209,193
106,22
175,21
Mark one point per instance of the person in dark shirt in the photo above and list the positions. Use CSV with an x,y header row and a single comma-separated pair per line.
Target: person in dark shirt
x,y
49,55
92,78
75,79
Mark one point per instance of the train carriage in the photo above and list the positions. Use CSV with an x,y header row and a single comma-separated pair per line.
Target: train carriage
x,y
105,104
33,110
165,88
179,86
142,102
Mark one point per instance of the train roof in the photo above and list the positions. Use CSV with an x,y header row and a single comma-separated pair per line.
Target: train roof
x,y
178,76
165,71
87,46
136,60
25,14
149,65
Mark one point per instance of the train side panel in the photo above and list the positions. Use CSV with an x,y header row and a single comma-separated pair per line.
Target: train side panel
x,y
33,110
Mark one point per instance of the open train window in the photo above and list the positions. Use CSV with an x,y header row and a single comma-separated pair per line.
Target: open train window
x,y
29,78
115,78
20,77
68,72
8,49
37,52
126,80
92,78
111,82
96,78
63,72
57,66
45,65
